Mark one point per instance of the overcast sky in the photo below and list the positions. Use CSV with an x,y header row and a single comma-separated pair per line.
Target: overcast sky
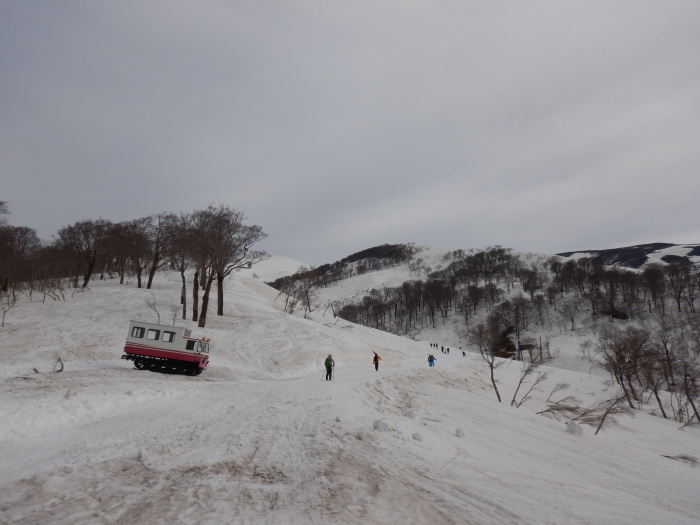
x,y
544,126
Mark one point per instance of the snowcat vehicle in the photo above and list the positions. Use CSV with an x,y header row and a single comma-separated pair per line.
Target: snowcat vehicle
x,y
164,348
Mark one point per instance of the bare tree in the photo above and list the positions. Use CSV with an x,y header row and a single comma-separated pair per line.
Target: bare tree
x,y
18,247
159,231
119,242
226,244
140,247
679,280
604,412
5,260
559,387
152,303
181,249
175,310
571,309
291,302
528,368
586,348
301,291
7,301
531,280
621,352
562,409
652,279
85,240
484,337
50,267
689,366
652,375
598,414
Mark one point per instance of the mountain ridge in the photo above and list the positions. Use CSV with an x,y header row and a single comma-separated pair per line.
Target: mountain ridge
x,y
639,255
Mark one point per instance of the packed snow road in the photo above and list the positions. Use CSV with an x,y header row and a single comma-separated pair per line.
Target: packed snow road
x,y
212,451
170,453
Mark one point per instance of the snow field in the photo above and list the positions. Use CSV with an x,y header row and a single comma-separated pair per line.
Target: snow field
x,y
261,437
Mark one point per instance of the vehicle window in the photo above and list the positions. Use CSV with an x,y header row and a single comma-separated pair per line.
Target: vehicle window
x,y
168,337
153,334
190,345
137,331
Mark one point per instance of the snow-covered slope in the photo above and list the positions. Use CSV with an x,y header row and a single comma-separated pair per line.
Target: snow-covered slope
x,y
641,255
260,437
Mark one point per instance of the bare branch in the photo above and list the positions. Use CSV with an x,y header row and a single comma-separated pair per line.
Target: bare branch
x,y
541,376
152,303
559,387
563,409
685,458
613,407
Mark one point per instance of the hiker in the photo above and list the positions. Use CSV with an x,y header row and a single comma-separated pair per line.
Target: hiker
x,y
330,364
431,360
376,361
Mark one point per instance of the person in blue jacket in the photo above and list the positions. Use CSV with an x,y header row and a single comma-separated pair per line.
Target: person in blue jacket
x,y
431,359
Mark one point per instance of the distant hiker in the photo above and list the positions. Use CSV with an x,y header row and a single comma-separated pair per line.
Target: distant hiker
x,y
431,359
464,354
448,350
330,364
375,360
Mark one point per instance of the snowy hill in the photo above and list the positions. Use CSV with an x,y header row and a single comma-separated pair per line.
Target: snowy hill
x,y
641,255
260,437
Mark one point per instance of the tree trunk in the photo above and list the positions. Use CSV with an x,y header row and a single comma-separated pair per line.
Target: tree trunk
x,y
183,295
154,267
220,293
658,400
493,382
195,297
91,267
203,280
610,409
688,395
621,382
205,302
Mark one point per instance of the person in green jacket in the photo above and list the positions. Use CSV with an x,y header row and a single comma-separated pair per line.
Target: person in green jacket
x,y
330,364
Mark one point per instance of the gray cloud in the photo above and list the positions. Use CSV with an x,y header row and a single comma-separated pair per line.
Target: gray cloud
x,y
542,126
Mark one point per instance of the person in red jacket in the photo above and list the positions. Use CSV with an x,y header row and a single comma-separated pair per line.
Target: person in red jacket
x,y
376,361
